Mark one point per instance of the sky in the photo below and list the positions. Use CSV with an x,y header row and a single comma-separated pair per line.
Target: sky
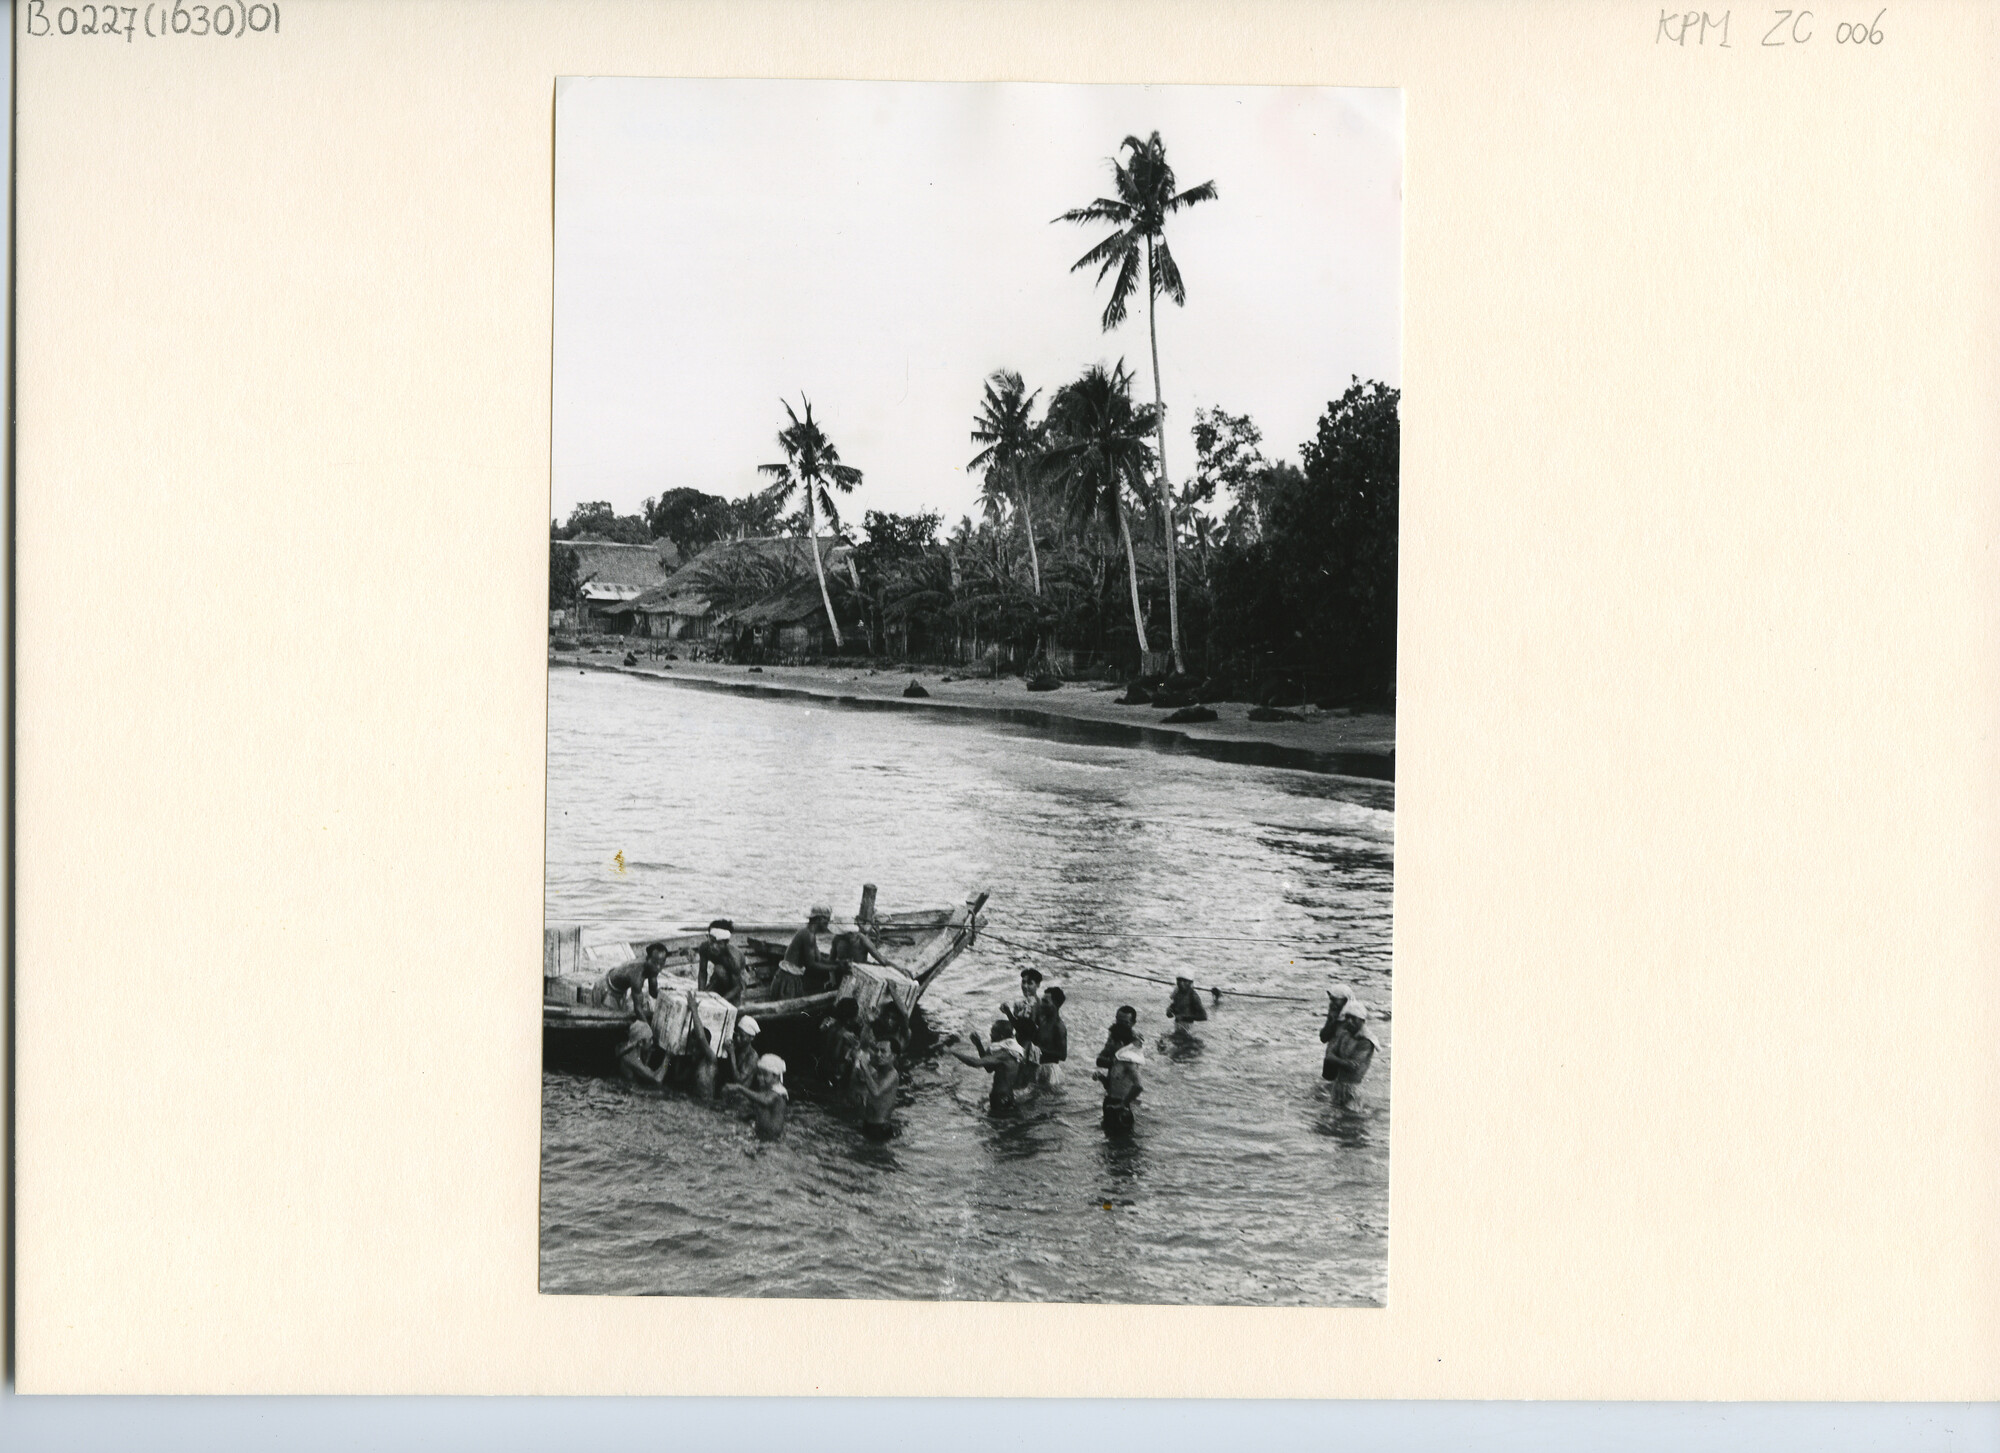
x,y
881,247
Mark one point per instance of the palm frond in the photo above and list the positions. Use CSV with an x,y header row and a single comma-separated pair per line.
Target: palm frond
x,y
1115,248
1122,290
1104,209
1167,276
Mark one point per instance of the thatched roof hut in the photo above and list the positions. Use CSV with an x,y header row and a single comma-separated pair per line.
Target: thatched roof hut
x,y
778,555
610,576
729,576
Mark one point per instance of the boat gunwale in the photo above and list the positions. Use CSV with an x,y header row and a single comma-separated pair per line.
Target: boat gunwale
x,y
960,924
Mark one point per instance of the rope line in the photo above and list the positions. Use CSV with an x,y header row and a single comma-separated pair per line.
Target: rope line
x,y
1070,958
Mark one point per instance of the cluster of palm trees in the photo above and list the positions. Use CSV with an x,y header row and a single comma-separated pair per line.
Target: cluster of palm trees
x,y
1091,456
1090,453
1096,454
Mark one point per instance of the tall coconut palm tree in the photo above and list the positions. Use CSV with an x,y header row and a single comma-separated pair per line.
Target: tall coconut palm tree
x,y
1096,450
1146,198
1006,426
811,467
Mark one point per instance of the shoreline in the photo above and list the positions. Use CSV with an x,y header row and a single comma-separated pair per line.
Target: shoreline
x,y
1359,745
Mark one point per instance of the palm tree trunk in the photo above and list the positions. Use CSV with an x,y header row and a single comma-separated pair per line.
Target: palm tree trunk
x,y
1028,519
812,539
1132,571
1166,487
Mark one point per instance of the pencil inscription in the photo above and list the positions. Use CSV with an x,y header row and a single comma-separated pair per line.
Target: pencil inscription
x,y
230,18
1787,28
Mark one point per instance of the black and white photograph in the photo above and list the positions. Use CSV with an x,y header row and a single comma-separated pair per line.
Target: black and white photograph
x,y
972,661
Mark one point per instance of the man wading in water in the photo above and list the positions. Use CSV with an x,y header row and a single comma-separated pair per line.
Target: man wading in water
x,y
1184,1008
1350,1050
1122,1086
743,1051
1005,1058
632,1067
875,1067
1128,1020
1021,1013
1051,1037
766,1094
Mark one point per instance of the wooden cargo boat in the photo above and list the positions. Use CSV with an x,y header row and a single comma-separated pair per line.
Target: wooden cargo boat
x,y
581,1031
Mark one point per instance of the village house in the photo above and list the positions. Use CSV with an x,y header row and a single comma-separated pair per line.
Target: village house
x,y
610,577
705,598
787,622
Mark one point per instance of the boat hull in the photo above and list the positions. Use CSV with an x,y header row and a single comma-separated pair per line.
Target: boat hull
x,y
581,1033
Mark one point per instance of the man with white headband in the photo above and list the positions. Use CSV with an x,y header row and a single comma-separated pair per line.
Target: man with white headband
x,y
766,1093
721,967
1349,1052
1337,996
743,1050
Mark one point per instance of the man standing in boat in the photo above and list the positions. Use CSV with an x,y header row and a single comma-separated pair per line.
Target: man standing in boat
x,y
807,969
636,984
721,967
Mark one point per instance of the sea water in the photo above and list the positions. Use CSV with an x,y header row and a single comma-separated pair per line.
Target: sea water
x,y
1244,1181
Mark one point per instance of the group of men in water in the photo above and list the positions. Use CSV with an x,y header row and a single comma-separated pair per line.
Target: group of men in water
x,y
857,1057
1029,1043
1026,1049
707,1069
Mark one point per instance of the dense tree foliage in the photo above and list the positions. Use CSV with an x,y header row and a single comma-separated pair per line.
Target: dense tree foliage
x,y
1305,580
598,521
690,518
563,584
1289,570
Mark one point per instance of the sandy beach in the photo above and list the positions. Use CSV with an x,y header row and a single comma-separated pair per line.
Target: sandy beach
x,y
1358,743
